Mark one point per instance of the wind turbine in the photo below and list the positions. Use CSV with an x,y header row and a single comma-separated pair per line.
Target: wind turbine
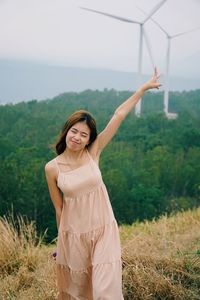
x,y
168,52
142,33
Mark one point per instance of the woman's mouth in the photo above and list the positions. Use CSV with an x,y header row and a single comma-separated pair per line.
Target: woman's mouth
x,y
74,142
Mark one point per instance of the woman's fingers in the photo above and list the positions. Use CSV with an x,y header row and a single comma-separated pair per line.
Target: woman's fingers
x,y
153,82
158,85
156,75
155,72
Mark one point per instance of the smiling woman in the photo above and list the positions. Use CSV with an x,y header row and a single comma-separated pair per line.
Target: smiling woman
x,y
88,251
80,124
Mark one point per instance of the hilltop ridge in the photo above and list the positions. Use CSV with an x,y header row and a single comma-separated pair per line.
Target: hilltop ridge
x,y
26,80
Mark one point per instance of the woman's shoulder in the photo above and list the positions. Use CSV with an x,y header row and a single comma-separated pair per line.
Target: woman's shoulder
x,y
50,165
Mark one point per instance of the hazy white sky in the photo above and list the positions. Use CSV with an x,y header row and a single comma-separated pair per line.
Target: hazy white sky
x,y
59,32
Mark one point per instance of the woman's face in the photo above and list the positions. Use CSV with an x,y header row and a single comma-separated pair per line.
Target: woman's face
x,y
78,136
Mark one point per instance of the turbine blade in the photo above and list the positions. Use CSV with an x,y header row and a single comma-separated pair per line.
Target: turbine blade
x,y
185,32
161,28
148,47
111,16
154,10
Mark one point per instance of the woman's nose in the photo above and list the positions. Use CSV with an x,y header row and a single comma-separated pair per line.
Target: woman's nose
x,y
77,137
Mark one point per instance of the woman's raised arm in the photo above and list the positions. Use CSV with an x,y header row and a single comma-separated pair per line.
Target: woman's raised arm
x,y
122,111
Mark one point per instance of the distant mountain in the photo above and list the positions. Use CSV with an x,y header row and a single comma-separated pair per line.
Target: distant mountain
x,y
23,81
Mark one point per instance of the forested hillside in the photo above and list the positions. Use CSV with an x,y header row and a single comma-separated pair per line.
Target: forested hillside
x,y
151,167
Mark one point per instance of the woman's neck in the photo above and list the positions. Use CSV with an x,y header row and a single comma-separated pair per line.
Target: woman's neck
x,y
73,155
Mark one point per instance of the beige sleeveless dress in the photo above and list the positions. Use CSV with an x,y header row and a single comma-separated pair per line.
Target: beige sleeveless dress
x,y
89,255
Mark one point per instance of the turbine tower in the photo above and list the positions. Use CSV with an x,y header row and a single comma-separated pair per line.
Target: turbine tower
x,y
142,34
168,52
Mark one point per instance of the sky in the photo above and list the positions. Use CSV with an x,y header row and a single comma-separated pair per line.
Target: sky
x,y
58,32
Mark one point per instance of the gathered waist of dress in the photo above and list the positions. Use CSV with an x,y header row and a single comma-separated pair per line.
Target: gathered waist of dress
x,y
87,212
83,192
73,232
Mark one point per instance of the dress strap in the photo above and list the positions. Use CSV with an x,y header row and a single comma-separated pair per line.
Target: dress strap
x,y
88,154
91,158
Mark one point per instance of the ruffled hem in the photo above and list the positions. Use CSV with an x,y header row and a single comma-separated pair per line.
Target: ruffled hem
x,y
88,269
101,281
79,251
94,230
66,267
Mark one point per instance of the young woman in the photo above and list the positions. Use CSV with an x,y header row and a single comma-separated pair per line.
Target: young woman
x,y
88,251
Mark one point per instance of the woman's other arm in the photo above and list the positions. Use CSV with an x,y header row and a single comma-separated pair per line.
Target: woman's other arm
x,y
122,111
55,194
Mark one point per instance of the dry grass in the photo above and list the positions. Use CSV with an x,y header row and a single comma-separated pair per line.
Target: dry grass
x,y
161,260
27,270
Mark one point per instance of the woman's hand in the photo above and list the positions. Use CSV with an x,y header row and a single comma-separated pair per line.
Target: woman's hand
x,y
152,83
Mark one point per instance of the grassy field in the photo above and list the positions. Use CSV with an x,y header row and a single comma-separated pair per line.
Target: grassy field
x,y
161,260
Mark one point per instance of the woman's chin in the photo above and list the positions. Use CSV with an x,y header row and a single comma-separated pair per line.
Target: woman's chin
x,y
74,146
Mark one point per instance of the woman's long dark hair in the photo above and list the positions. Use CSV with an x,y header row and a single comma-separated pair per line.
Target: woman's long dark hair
x,y
78,116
